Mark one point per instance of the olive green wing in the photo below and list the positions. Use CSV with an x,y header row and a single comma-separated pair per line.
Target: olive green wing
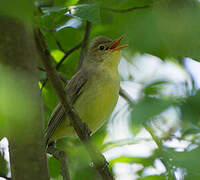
x,y
73,89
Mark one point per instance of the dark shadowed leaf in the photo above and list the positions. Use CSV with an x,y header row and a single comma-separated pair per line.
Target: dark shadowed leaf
x,y
68,37
147,108
190,109
167,30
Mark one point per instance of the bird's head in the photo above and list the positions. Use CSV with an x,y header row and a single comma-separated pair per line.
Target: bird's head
x,y
105,51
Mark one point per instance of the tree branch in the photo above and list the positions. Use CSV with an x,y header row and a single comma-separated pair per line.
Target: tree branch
x,y
85,43
61,156
98,159
127,10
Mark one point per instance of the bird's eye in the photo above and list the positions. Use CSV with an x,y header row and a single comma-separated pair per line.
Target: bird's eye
x,y
101,47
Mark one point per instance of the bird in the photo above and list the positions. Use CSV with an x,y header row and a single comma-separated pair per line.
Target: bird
x,y
93,90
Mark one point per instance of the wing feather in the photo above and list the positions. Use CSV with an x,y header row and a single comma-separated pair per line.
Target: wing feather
x,y
73,90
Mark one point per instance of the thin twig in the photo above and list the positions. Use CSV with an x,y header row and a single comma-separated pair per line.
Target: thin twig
x,y
127,10
67,53
126,96
80,128
63,79
61,156
59,45
45,80
85,43
43,84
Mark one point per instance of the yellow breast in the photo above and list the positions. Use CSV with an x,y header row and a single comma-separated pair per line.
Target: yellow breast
x,y
98,100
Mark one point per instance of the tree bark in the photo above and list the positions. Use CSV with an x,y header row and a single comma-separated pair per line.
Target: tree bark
x,y
21,100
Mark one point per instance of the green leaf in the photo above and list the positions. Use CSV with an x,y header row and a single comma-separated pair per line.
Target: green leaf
x,y
53,9
88,12
85,172
3,165
190,108
154,87
54,167
65,3
190,131
49,99
53,19
153,177
123,4
69,67
113,144
79,162
188,160
99,136
68,37
126,159
147,108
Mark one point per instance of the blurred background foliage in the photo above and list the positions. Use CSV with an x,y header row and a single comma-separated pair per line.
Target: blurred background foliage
x,y
157,136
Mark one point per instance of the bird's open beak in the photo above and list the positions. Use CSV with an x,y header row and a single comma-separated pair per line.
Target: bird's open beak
x,y
115,46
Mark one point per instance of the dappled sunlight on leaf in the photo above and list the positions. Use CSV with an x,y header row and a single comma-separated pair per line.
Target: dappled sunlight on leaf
x,y
57,55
